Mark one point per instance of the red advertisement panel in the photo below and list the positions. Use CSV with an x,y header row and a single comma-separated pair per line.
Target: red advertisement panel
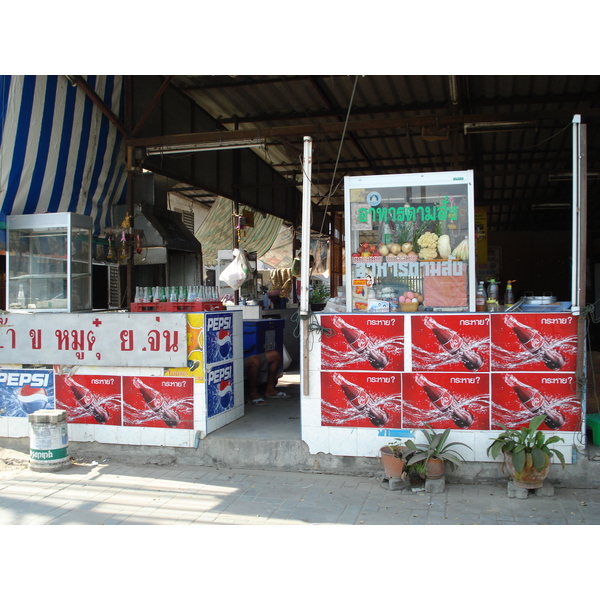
x,y
534,342
360,399
451,342
93,399
159,402
518,397
446,400
363,343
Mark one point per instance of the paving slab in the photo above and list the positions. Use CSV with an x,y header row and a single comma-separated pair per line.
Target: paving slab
x,y
116,493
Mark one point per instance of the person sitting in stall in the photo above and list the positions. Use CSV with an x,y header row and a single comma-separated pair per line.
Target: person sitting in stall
x,y
263,370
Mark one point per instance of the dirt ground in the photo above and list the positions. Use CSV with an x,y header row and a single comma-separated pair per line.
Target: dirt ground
x,y
11,460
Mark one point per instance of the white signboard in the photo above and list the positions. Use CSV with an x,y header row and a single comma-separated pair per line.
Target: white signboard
x,y
108,339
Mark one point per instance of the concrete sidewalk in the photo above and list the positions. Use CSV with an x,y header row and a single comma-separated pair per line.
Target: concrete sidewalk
x,y
112,493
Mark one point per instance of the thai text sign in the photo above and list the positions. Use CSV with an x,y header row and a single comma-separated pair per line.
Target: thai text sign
x,y
108,339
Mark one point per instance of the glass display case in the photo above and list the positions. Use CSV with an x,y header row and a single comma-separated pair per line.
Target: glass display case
x,y
49,262
410,242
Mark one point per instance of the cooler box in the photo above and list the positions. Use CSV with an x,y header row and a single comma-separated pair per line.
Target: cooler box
x,y
263,334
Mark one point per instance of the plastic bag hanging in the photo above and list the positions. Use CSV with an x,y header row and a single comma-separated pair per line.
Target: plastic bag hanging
x,y
238,271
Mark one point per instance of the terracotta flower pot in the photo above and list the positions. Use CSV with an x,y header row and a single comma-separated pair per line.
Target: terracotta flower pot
x,y
530,478
393,466
435,468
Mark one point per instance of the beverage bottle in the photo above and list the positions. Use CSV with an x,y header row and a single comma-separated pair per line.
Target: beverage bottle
x,y
454,344
480,298
492,296
361,344
536,402
362,401
86,399
509,298
21,296
173,294
535,342
445,402
153,399
163,294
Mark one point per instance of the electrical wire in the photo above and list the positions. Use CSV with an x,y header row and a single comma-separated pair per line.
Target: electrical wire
x,y
337,160
543,141
314,327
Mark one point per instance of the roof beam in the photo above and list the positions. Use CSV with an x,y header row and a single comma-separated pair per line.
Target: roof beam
x,y
109,114
360,125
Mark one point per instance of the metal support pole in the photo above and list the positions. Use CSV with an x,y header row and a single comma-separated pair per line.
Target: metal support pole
x,y
579,215
305,262
578,275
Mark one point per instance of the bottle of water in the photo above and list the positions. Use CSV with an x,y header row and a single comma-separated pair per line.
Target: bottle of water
x,y
493,290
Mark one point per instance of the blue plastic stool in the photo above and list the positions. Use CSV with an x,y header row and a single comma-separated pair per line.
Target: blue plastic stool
x,y
593,423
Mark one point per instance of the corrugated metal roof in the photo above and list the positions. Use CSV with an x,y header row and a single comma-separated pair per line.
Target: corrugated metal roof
x,y
513,167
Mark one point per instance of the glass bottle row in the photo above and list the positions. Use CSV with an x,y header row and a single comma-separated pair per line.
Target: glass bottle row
x,y
174,293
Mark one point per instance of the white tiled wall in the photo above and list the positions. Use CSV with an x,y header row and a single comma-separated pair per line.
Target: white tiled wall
x,y
152,436
363,441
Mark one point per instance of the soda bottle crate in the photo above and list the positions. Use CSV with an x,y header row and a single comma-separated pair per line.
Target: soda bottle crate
x,y
189,306
209,306
178,307
144,307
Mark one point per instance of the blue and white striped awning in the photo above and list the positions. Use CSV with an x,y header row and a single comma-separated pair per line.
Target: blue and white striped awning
x,y
58,151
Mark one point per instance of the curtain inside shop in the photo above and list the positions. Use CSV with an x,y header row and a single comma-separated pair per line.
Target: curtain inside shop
x,y
216,231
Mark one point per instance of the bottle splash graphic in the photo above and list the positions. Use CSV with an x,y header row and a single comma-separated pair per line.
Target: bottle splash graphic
x,y
454,344
361,404
445,402
88,400
536,344
536,402
157,403
363,348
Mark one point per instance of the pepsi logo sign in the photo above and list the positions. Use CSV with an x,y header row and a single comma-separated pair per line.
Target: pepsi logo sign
x,y
217,375
217,323
19,379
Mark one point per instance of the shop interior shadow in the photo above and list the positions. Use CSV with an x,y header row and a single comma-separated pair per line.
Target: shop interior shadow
x,y
279,420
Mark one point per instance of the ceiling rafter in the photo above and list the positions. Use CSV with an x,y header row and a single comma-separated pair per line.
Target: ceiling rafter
x,y
355,125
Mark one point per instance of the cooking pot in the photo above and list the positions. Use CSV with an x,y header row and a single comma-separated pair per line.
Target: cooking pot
x,y
529,298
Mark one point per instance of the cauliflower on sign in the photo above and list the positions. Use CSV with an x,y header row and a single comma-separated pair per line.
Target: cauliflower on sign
x,y
428,244
428,253
428,240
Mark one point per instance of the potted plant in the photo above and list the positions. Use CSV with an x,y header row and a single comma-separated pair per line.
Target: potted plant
x,y
319,295
393,459
526,453
435,453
